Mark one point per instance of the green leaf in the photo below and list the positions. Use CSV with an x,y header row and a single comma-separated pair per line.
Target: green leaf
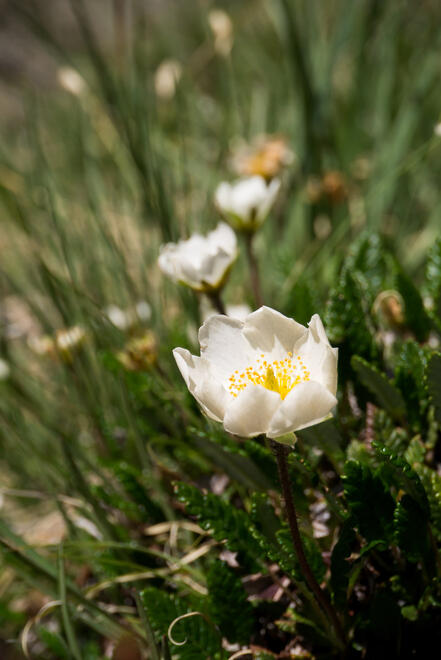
x,y
409,378
162,608
340,566
65,610
410,529
229,607
54,642
347,320
370,503
432,484
398,471
386,394
326,437
416,317
433,276
312,552
433,379
225,522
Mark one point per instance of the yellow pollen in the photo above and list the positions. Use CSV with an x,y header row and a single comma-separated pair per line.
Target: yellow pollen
x,y
279,376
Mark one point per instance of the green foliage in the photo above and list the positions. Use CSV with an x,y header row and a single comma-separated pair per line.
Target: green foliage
x,y
195,636
409,378
433,376
224,521
433,276
229,607
347,320
410,529
386,394
397,471
340,566
370,503
416,317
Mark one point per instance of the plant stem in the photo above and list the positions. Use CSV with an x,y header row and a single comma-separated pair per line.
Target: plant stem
x,y
217,301
254,269
281,453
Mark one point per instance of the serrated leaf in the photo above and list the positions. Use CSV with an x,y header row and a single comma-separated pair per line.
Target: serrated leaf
x,y
402,474
410,529
312,552
433,276
386,394
202,640
229,607
416,317
340,566
433,379
225,522
409,379
347,318
326,437
370,503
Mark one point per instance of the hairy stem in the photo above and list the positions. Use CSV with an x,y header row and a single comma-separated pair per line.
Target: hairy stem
x,y
281,453
254,270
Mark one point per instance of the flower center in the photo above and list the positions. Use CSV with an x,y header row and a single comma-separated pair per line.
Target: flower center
x,y
278,376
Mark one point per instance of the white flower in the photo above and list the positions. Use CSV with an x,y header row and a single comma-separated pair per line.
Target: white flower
x,y
246,202
268,374
201,262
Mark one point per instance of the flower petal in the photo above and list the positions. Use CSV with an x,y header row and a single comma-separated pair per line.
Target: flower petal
x,y
198,376
250,413
223,237
318,355
307,404
224,346
272,333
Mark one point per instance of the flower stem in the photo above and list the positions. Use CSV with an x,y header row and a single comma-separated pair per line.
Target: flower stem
x,y
217,301
254,269
281,453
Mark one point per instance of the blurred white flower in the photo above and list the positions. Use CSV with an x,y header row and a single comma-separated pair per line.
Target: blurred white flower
x,y
437,129
167,76
126,319
117,316
268,374
201,262
246,202
4,369
71,80
143,310
222,29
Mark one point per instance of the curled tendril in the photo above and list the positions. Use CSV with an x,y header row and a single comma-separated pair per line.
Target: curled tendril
x,y
175,621
48,607
238,654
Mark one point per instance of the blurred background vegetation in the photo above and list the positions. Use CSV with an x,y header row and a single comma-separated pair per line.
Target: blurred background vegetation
x,y
118,120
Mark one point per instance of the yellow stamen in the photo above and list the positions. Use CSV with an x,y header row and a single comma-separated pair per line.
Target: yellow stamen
x,y
279,376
